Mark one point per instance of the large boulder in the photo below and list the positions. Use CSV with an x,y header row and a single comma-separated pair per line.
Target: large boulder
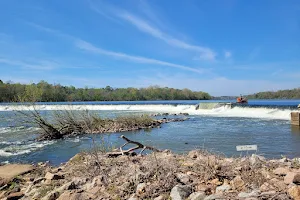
x,y
8,172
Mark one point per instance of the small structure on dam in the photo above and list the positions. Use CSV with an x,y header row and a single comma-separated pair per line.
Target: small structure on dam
x,y
295,117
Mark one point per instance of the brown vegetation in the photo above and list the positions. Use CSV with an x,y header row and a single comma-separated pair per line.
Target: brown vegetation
x,y
68,123
162,175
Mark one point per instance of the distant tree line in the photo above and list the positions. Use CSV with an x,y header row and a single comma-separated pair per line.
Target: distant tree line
x,y
45,92
281,94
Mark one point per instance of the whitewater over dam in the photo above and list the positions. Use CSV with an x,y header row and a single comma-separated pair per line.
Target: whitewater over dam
x,y
213,125
216,109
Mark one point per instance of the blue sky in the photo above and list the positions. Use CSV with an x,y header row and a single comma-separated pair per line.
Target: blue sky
x,y
221,47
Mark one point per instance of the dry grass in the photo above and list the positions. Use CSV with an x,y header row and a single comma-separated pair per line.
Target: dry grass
x,y
67,123
120,176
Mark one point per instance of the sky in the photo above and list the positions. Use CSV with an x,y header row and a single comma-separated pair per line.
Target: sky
x,y
224,48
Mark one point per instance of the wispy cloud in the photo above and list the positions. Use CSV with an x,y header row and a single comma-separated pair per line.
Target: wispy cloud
x,y
91,48
254,53
227,54
37,65
101,12
144,26
205,53
84,45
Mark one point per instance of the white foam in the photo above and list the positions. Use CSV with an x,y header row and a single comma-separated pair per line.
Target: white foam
x,y
18,128
19,149
218,111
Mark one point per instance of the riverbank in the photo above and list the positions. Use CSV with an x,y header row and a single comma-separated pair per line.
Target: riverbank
x,y
160,175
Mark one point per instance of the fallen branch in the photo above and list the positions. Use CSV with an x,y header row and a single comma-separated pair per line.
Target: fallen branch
x,y
131,151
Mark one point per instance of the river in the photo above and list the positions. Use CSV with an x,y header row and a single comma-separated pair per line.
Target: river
x,y
213,126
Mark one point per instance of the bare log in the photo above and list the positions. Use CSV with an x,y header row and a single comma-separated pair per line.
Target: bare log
x,y
131,151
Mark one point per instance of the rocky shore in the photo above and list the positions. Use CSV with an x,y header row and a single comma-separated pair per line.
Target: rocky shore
x,y
197,175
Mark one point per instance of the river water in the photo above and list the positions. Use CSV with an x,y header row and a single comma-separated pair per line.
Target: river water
x,y
211,125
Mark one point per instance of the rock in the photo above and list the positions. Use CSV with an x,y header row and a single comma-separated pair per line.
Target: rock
x,y
265,173
180,192
159,198
28,189
254,193
140,189
216,182
79,181
133,197
223,188
237,183
197,196
283,160
34,192
280,185
282,196
51,196
292,177
56,170
2,194
50,176
38,180
296,179
15,189
15,196
193,154
183,178
47,182
56,192
9,171
255,159
67,186
190,173
266,187
214,197
281,171
294,192
75,195
188,164
269,193
94,190
244,195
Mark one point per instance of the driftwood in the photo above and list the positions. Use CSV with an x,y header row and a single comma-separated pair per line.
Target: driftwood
x,y
131,151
